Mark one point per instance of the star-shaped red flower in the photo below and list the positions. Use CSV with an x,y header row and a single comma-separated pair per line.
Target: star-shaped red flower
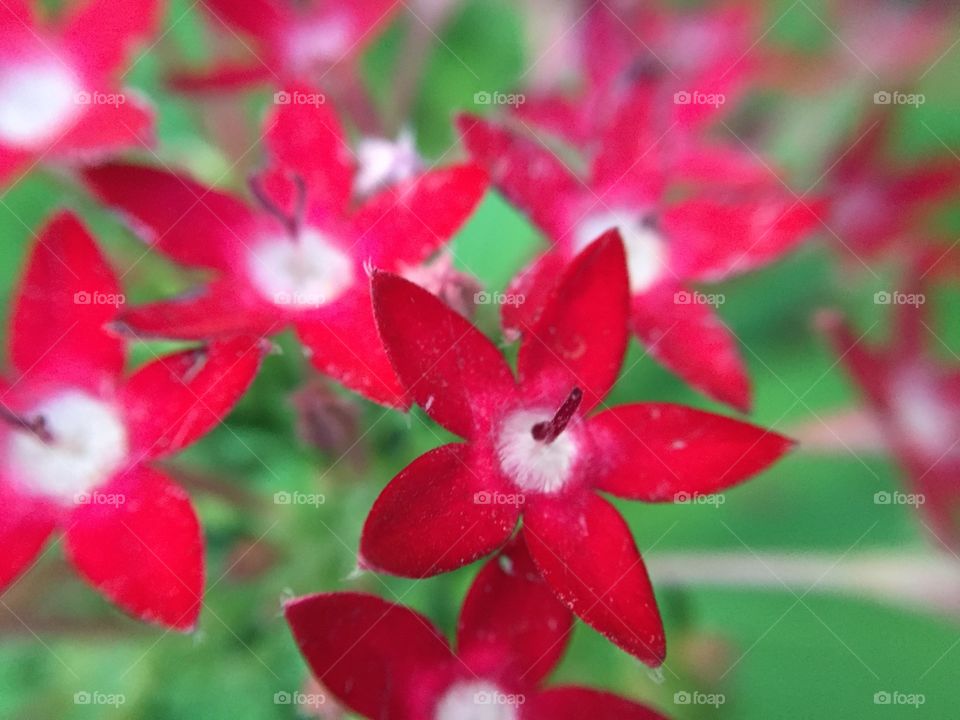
x,y
299,259
534,448
78,437
672,241
60,100
385,660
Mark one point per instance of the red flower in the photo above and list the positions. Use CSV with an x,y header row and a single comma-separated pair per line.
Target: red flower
x,y
534,449
284,41
78,436
670,243
385,660
300,259
59,97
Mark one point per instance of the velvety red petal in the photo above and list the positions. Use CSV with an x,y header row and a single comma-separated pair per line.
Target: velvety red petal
x,y
586,552
560,115
581,336
145,551
435,516
66,297
102,33
691,340
174,400
512,614
104,128
447,366
533,284
659,452
366,651
577,703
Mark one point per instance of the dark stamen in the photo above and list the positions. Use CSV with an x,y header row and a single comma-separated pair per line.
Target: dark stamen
x,y
548,430
37,426
291,221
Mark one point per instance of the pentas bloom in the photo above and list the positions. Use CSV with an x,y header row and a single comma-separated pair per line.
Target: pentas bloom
x,y
535,450
78,437
385,660
59,96
300,258
286,41
672,241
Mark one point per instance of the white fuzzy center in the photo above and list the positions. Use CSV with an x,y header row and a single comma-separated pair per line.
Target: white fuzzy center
x,y
38,100
534,465
646,248
301,273
922,414
89,441
385,162
477,700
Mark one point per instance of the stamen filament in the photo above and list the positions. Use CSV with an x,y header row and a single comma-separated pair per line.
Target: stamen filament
x,y
37,426
549,430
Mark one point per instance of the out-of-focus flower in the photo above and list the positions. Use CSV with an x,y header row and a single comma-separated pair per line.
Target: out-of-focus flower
x,y
60,96
457,289
325,419
78,437
385,660
300,259
382,162
535,450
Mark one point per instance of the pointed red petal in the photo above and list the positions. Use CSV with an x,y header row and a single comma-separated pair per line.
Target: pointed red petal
x,y
577,703
581,336
260,18
512,614
369,653
447,366
145,551
659,452
174,400
102,33
531,287
104,128
689,338
67,295
585,551
435,516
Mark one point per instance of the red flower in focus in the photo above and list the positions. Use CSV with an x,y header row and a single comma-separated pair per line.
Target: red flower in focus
x,y
286,41
385,660
534,448
671,243
78,436
60,100
300,258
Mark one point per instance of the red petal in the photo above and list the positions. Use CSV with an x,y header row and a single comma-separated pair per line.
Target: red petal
x,y
102,33
104,128
144,553
405,224
67,295
343,343
193,224
512,614
658,451
25,525
11,162
534,285
581,336
174,400
576,703
225,77
260,18
446,365
586,553
368,652
690,339
433,517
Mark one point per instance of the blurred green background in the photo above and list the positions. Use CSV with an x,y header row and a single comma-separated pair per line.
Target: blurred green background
x,y
770,654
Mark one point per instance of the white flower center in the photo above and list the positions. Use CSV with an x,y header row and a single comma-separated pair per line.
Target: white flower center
x,y
385,162
88,443
312,43
477,700
305,272
922,415
534,465
38,100
646,248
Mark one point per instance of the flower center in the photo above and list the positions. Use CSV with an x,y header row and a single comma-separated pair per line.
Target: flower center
x,y
37,101
534,450
76,444
477,700
384,162
306,271
318,42
922,415
645,246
